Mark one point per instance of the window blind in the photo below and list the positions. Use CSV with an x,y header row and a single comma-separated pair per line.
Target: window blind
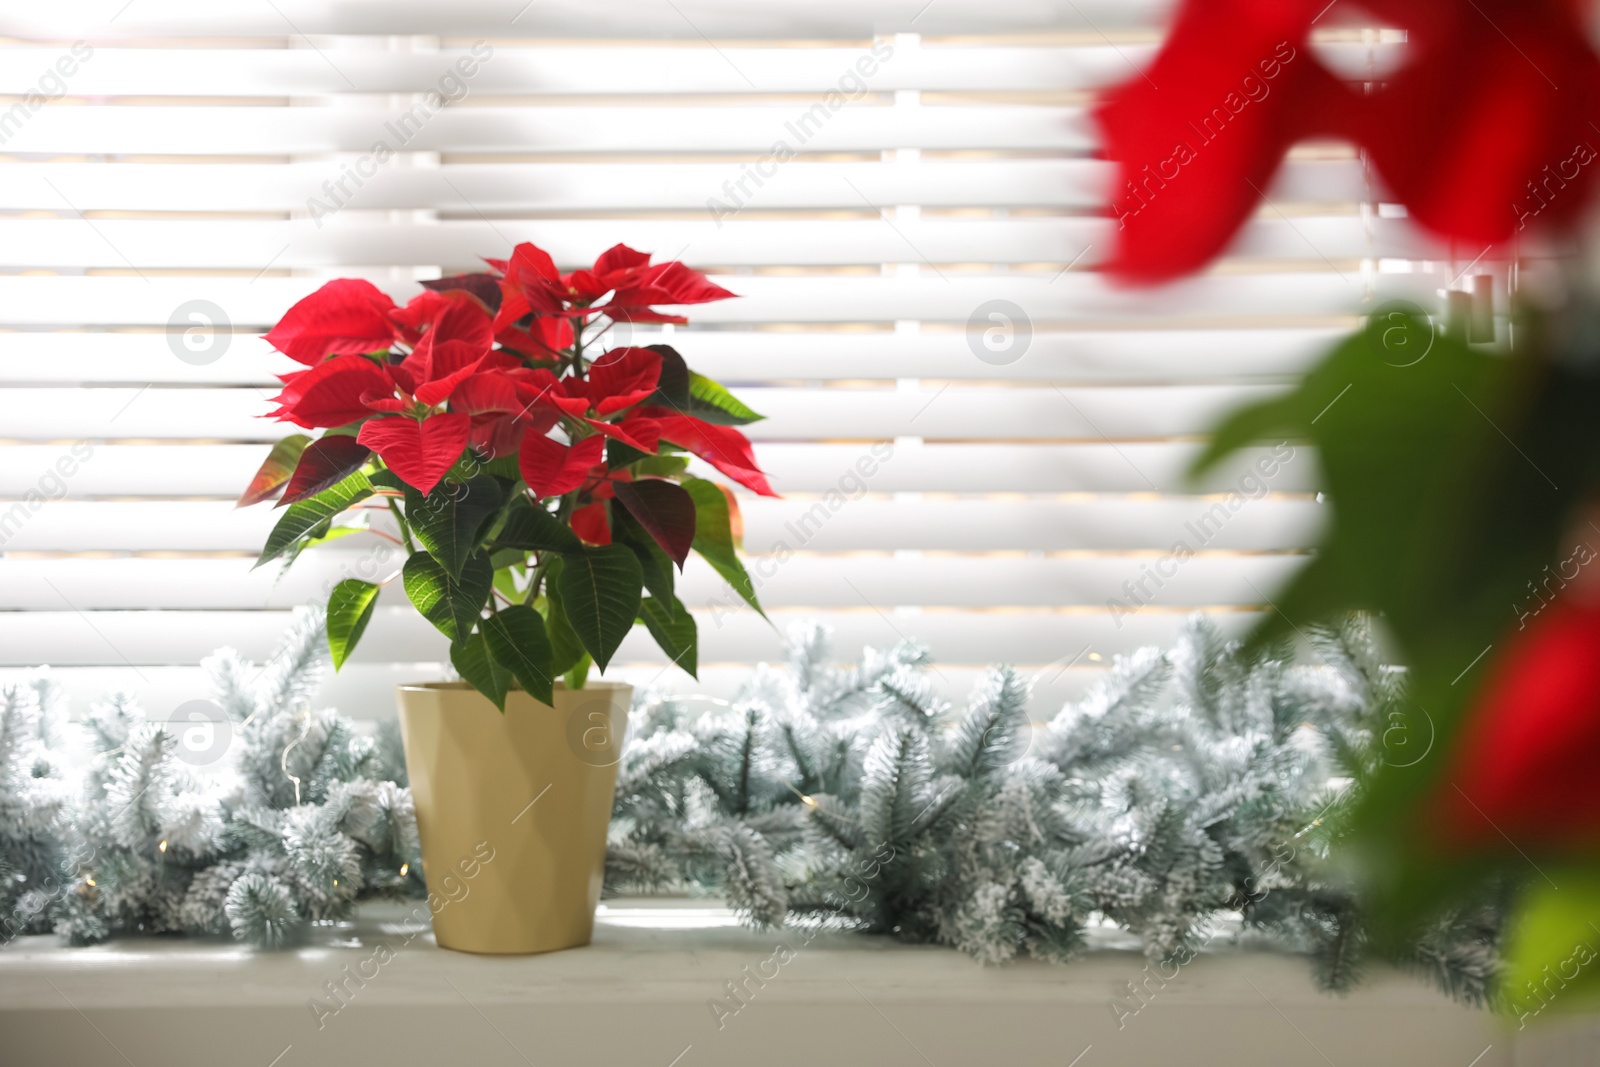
x,y
980,442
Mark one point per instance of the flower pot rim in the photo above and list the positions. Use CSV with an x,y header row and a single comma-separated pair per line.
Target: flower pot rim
x,y
458,686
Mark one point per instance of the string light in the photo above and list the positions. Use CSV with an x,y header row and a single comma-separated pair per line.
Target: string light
x,y
283,760
404,867
811,802
161,847
804,799
91,880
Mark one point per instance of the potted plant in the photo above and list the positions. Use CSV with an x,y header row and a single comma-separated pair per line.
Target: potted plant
x,y
538,480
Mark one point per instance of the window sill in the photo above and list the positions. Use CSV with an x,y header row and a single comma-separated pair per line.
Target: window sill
x,y
643,994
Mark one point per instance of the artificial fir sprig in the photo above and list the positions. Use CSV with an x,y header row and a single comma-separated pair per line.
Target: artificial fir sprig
x,y
34,800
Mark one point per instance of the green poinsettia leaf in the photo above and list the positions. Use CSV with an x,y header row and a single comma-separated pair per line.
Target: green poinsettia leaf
x,y
578,675
450,521
478,668
504,467
664,509
451,604
713,538
529,527
275,470
674,629
517,641
657,567
619,455
709,401
301,518
388,479
323,534
565,648
600,590
685,391
350,607
667,466
471,466
324,464
672,388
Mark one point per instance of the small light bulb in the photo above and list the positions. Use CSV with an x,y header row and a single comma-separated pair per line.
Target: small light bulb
x,y
162,846
1095,656
404,867
336,881
91,881
808,801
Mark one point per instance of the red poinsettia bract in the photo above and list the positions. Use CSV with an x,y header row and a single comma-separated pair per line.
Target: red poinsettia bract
x,y
1486,127
531,285
1524,766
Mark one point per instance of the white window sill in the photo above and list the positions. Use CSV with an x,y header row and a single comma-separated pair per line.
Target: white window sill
x,y
641,994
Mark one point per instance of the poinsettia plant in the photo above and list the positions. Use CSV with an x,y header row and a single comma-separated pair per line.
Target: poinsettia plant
x,y
537,477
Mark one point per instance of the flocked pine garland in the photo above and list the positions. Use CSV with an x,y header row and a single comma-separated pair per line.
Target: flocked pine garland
x,y
1188,788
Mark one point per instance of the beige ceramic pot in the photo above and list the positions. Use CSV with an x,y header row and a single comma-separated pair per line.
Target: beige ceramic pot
x,y
513,810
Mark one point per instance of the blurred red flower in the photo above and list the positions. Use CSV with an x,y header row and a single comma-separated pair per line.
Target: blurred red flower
x,y
1486,127
1524,765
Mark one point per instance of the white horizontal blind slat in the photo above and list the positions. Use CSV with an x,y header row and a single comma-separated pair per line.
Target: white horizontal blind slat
x,y
691,20
824,581
569,187
734,355
684,20
188,469
139,129
867,523
949,412
400,635
357,243
950,298
608,71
